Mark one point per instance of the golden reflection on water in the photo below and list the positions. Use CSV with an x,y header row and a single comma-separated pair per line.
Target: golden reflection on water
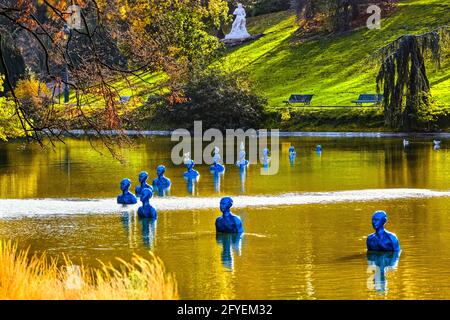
x,y
288,252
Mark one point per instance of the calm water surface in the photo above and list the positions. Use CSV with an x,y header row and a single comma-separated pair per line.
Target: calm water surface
x,y
313,250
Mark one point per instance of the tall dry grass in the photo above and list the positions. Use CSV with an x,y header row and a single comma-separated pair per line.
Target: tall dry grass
x,y
42,278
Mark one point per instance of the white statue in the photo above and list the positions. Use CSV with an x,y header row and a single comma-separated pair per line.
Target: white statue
x,y
238,29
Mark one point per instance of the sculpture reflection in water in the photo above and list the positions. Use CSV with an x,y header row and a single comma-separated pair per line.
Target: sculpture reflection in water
x,y
379,263
148,229
126,197
216,178
231,245
161,184
242,176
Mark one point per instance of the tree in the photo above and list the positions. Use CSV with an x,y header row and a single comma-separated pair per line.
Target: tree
x,y
117,39
403,78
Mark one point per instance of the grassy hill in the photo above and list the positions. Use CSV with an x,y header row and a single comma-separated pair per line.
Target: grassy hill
x,y
335,68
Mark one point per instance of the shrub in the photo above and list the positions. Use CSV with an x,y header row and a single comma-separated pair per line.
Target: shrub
x,y
221,100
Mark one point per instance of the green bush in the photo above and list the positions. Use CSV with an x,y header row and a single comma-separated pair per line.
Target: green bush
x,y
221,100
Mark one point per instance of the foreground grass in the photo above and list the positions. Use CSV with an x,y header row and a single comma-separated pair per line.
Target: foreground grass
x,y
41,278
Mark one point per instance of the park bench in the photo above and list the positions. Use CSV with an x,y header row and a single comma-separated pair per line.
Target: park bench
x,y
376,99
124,99
299,98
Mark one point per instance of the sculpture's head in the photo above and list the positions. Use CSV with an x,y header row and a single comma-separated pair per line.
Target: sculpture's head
x,y
239,5
125,184
160,170
143,176
379,219
146,194
225,204
190,164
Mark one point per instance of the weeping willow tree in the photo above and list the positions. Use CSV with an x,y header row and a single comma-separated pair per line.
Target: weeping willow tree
x,y
403,78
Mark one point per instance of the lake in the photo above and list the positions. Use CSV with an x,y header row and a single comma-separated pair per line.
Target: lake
x,y
305,227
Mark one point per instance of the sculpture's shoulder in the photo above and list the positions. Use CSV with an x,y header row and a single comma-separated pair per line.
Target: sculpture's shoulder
x,y
394,239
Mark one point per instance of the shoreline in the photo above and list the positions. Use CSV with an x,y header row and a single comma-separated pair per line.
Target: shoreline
x,y
336,134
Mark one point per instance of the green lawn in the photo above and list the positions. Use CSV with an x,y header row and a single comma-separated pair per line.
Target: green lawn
x,y
335,68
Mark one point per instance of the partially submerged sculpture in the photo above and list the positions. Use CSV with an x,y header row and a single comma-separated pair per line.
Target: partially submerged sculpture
x,y
381,239
265,158
126,197
143,176
242,162
216,166
161,183
189,163
238,29
146,210
228,222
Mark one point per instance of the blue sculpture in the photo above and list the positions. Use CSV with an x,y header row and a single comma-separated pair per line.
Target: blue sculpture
x,y
318,148
228,222
231,242
143,176
381,239
242,162
190,173
216,166
292,154
146,210
161,183
126,197
265,158
382,262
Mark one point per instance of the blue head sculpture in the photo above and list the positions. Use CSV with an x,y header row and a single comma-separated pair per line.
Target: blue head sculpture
x,y
216,166
190,173
381,239
161,183
126,197
143,176
146,210
242,162
228,222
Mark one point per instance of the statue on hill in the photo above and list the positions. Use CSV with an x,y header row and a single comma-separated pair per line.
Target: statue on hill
x,y
238,29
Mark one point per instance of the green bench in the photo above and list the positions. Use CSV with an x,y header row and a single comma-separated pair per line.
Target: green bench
x,y
299,98
376,99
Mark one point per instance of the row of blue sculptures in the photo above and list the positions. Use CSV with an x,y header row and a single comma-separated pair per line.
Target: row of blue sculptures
x,y
380,240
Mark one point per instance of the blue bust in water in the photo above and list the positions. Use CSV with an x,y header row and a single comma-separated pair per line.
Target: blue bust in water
x,y
228,222
146,210
189,163
126,197
161,183
381,239
143,176
216,166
